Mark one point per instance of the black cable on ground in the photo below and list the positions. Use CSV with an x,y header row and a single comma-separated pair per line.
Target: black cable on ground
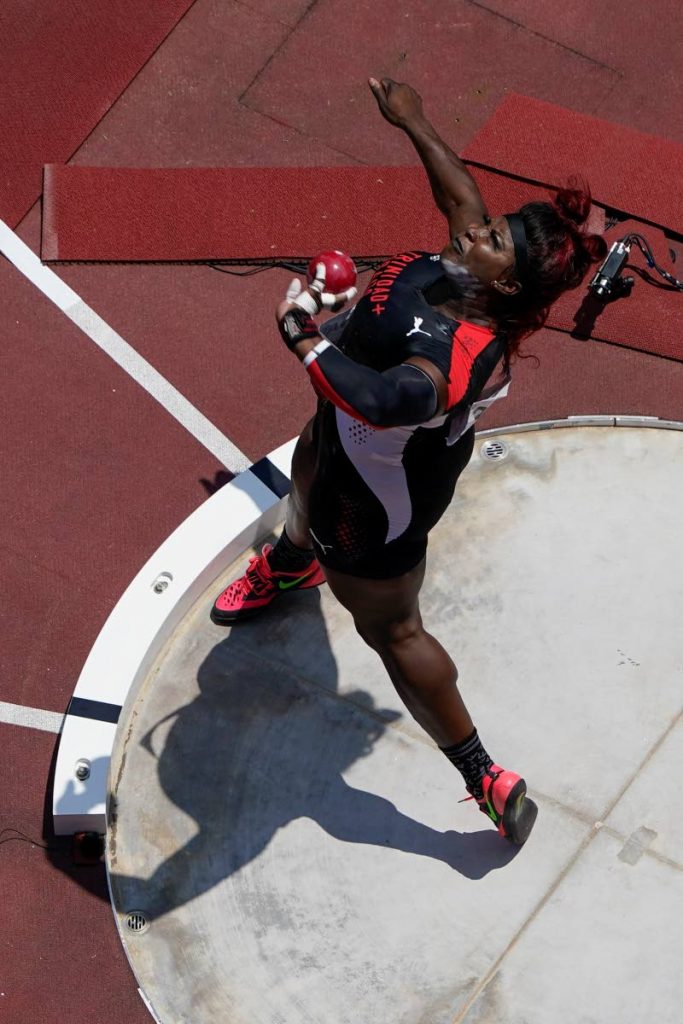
x,y
293,266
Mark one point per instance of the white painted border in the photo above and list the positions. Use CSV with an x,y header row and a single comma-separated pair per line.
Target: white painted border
x,y
66,299
194,555
585,421
30,718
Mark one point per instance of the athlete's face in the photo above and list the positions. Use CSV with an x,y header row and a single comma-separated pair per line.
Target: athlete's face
x,y
486,252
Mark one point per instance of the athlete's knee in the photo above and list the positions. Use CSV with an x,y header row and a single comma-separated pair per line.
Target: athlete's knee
x,y
388,634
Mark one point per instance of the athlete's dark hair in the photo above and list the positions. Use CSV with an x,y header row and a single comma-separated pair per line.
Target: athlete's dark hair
x,y
559,254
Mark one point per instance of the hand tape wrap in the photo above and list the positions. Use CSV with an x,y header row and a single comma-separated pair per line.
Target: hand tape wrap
x,y
295,326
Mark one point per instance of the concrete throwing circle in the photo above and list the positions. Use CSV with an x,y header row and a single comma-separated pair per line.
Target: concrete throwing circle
x,y
294,842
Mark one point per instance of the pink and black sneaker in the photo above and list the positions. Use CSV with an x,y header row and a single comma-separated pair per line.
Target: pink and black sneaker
x,y
505,802
259,586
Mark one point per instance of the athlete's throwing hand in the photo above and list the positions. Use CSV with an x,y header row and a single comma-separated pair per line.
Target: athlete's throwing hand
x,y
315,297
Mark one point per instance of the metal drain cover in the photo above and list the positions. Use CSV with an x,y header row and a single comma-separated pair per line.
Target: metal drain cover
x,y
494,450
136,922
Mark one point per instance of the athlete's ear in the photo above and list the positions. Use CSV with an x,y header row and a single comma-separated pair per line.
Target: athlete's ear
x,y
507,287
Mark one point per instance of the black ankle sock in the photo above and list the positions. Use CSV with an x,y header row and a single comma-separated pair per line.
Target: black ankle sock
x,y
471,760
287,557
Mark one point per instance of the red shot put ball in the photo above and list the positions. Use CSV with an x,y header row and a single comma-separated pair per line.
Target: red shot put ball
x,y
340,270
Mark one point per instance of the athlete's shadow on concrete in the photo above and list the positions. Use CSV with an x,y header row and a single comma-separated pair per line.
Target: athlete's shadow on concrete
x,y
263,745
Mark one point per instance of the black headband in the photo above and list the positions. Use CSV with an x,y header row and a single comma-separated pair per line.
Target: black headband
x,y
518,233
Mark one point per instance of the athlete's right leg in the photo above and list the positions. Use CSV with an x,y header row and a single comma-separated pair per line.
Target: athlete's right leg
x,y
291,564
303,471
386,615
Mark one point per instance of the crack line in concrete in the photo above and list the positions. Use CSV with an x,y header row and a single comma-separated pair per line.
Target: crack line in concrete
x,y
423,739
333,694
583,846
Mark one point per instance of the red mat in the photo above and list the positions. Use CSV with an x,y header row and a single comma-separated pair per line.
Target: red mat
x,y
254,214
64,64
639,174
247,213
648,320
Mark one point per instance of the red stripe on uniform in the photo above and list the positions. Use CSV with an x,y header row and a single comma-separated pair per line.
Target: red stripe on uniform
x,y
324,388
469,341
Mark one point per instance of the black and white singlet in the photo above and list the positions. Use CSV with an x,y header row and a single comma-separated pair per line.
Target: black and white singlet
x,y
378,492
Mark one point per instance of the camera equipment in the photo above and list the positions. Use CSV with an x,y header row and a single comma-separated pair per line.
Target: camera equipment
x,y
608,284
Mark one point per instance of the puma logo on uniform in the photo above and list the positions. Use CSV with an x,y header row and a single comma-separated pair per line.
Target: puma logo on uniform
x,y
417,328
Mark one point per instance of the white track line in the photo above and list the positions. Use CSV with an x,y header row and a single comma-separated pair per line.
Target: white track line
x,y
26,261
31,718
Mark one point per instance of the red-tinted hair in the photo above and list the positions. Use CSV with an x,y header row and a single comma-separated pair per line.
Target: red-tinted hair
x,y
559,254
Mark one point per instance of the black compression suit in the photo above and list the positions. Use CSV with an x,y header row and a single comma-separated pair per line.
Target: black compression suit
x,y
378,492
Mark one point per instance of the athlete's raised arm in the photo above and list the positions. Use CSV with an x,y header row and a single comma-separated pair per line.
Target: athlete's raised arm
x,y
453,187
404,395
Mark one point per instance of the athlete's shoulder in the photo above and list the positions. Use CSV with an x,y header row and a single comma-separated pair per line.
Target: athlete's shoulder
x,y
411,269
475,352
416,264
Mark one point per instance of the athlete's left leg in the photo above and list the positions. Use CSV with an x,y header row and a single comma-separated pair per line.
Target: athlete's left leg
x,y
387,616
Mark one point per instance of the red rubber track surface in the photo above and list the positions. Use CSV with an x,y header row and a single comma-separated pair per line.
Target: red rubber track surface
x,y
104,214
122,214
63,65
96,474
544,142
231,213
